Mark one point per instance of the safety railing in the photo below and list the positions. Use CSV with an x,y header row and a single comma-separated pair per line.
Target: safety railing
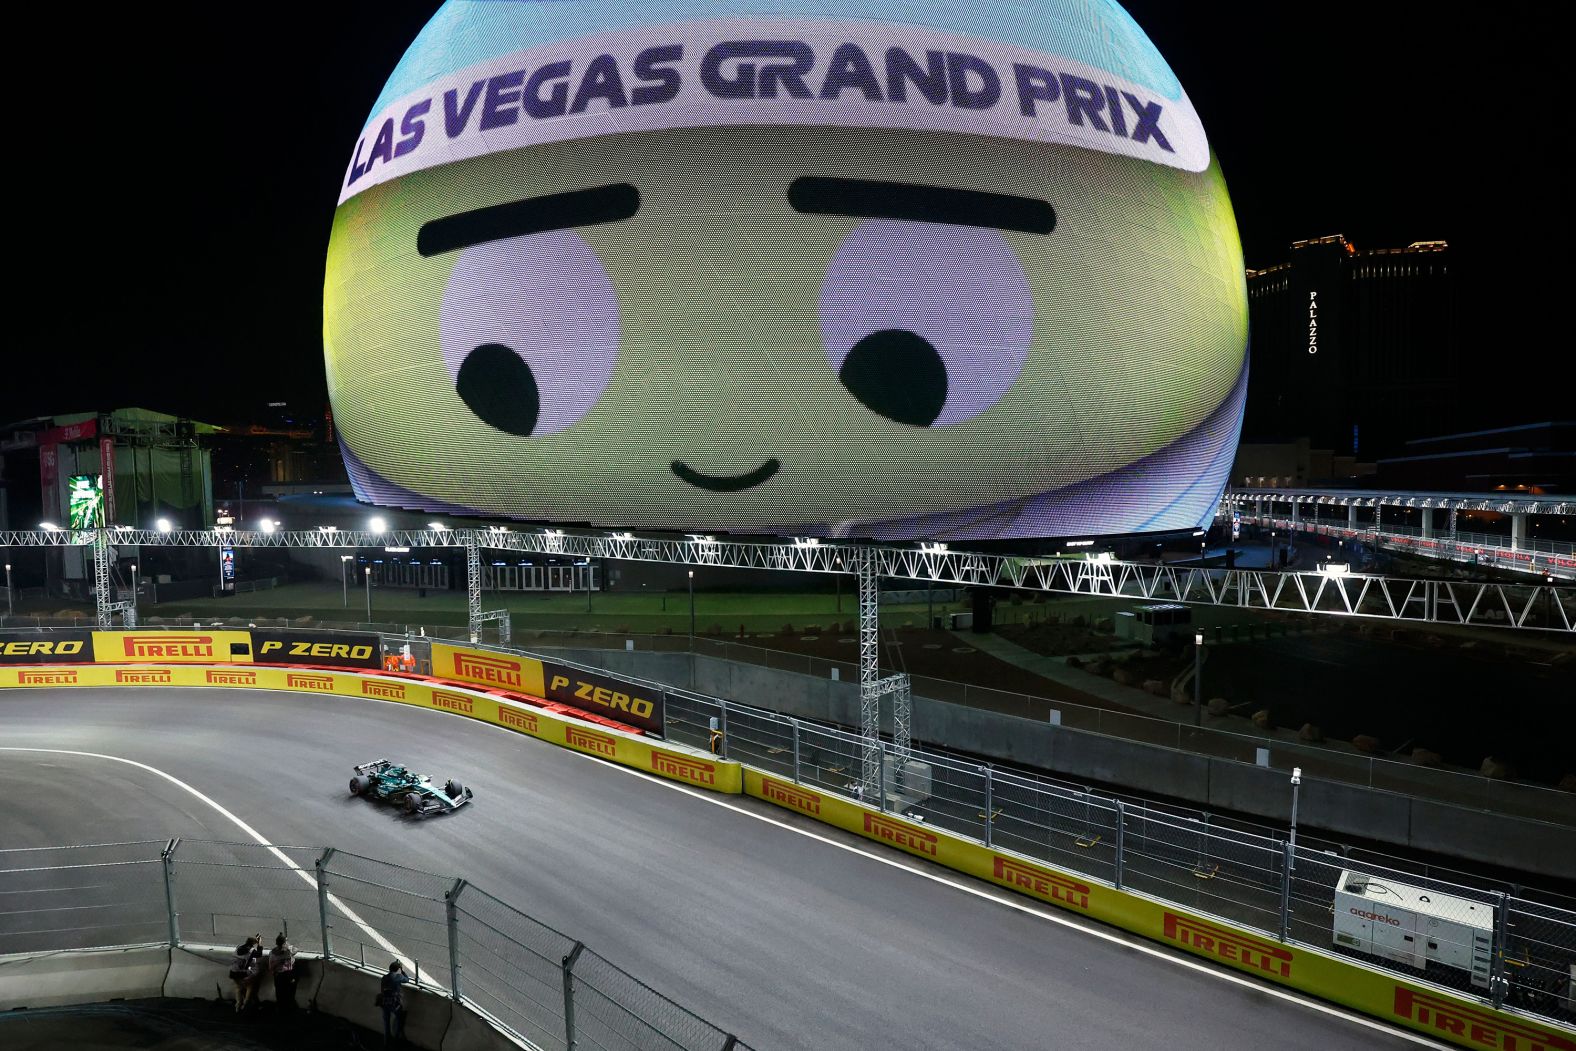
x,y
1513,798
536,983
1502,943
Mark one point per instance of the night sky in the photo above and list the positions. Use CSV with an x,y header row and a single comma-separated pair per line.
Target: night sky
x,y
177,174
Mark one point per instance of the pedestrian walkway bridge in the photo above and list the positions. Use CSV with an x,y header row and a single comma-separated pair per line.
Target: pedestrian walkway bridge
x,y
1425,525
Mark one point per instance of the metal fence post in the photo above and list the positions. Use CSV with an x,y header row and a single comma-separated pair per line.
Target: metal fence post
x,y
568,968
1498,982
724,705
1285,903
990,803
662,711
796,751
452,915
320,866
881,776
1121,842
168,857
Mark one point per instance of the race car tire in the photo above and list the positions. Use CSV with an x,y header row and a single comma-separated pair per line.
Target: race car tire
x,y
357,786
412,803
454,789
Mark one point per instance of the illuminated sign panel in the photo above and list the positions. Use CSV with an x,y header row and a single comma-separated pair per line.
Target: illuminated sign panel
x,y
85,501
815,272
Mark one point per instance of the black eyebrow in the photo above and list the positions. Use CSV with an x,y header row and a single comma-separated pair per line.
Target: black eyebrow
x,y
534,215
922,204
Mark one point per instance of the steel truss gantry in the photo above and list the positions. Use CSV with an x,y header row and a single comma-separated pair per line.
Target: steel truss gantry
x,y
1428,601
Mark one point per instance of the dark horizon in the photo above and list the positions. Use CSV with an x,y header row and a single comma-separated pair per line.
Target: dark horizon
x,y
194,286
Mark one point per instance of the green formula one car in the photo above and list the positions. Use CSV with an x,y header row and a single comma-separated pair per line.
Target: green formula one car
x,y
382,779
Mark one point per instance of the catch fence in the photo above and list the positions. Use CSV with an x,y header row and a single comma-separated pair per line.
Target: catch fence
x,y
1500,942
539,985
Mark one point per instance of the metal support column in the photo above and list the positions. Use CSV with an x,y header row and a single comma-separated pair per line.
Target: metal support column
x,y
1287,869
1121,843
103,600
723,725
452,916
865,571
320,866
167,856
795,751
902,718
568,969
473,584
990,804
1498,980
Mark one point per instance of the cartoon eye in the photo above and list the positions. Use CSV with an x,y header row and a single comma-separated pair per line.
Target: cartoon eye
x,y
927,324
530,331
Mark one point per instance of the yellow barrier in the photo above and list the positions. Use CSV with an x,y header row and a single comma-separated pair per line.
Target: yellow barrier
x,y
173,647
1431,1011
709,772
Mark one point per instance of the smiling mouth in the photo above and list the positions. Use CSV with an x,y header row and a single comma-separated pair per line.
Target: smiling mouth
x,y
727,483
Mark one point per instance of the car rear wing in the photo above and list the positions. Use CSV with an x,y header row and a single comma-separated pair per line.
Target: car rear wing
x,y
374,764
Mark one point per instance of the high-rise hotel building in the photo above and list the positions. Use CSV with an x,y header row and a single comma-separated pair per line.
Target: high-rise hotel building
x,y
1355,349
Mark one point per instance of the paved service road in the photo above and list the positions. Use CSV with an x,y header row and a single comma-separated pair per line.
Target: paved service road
x,y
785,940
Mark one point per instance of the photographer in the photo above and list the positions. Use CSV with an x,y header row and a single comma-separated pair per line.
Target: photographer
x,y
393,1004
244,971
281,964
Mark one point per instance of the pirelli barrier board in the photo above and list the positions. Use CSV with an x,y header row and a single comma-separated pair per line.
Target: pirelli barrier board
x,y
263,646
68,646
589,692
707,772
1417,1007
296,646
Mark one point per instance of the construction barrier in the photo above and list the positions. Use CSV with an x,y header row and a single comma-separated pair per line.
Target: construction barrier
x,y
548,722
1425,1009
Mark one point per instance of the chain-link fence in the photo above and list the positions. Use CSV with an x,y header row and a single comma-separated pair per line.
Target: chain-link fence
x,y
1541,803
528,979
1501,943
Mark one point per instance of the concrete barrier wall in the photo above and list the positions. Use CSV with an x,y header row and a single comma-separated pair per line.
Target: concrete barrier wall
x,y
60,979
1331,806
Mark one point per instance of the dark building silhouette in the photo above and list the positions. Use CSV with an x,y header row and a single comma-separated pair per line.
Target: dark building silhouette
x,y
1356,350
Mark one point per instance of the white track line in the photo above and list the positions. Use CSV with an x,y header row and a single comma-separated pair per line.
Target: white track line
x,y
311,879
1128,942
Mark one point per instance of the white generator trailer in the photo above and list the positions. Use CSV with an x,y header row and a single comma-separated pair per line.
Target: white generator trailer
x,y
1414,926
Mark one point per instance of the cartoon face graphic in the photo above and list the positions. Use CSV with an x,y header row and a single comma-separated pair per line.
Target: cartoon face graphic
x,y
820,281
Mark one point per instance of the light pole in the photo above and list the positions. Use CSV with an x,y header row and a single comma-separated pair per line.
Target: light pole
x,y
692,609
1296,784
344,578
133,586
838,576
1198,678
369,594
10,596
1272,549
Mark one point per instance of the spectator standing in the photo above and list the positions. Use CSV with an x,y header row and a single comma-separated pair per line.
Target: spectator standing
x,y
393,1003
281,964
244,971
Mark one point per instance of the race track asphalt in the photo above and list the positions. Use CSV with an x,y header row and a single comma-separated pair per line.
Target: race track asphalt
x,y
785,940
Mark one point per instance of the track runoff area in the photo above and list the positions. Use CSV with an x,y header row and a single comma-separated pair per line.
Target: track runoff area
x,y
773,926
